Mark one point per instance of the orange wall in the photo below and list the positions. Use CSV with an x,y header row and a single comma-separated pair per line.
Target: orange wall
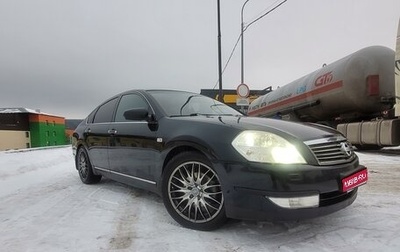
x,y
69,132
48,118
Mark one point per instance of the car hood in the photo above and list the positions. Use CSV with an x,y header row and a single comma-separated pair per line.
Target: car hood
x,y
301,131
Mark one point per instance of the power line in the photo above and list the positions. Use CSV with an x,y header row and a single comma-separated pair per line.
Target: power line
x,y
245,28
229,59
264,10
255,20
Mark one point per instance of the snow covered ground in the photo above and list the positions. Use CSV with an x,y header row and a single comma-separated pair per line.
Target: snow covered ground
x,y
45,207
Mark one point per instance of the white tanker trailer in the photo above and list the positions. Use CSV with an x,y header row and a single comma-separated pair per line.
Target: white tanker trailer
x,y
355,94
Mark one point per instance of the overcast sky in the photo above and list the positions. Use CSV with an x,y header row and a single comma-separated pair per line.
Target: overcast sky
x,y
67,56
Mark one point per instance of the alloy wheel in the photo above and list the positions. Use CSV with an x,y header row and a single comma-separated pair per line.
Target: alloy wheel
x,y
195,192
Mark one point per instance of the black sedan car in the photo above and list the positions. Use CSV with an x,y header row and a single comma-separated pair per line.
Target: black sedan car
x,y
210,162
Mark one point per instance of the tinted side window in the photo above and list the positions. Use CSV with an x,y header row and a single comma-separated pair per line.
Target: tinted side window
x,y
105,112
90,117
127,102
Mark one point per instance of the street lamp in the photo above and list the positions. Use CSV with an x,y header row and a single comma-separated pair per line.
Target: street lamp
x,y
220,96
242,48
247,26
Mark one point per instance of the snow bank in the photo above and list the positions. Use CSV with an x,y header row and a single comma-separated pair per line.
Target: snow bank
x,y
45,207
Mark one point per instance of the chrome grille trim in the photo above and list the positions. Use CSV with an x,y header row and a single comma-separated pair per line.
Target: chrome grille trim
x,y
332,150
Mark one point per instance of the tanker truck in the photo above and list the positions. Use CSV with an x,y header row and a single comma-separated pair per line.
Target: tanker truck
x,y
358,95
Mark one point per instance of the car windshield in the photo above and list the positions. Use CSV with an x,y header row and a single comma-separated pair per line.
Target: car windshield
x,y
176,103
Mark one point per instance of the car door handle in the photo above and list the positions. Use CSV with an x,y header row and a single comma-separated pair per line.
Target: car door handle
x,y
112,132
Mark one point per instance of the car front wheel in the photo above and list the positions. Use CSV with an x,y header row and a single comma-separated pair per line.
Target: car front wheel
x,y
192,192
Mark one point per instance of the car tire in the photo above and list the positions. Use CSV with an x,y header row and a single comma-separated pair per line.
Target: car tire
x,y
84,167
192,192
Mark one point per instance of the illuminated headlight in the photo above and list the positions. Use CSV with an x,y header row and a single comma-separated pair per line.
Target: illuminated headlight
x,y
265,147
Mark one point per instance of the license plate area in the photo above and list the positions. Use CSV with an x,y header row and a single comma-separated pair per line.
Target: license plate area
x,y
355,180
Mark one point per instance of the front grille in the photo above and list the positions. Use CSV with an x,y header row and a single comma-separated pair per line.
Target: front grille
x,y
328,151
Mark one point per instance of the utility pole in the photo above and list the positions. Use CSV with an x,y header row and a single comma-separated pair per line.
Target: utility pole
x,y
242,44
220,96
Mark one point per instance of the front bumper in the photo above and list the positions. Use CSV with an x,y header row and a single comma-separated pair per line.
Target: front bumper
x,y
249,187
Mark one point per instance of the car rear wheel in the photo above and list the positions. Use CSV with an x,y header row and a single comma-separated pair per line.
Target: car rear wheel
x,y
192,192
84,168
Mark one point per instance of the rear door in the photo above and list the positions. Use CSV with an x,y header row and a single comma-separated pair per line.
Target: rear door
x,y
97,135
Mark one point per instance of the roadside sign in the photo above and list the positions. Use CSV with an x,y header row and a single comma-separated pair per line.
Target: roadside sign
x,y
242,102
243,90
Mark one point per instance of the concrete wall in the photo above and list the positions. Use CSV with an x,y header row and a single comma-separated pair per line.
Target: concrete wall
x,y
10,139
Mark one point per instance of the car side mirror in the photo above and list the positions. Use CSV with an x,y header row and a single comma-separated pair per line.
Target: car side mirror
x,y
137,114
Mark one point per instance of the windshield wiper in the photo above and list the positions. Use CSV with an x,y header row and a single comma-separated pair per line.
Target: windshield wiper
x,y
193,114
187,101
201,114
